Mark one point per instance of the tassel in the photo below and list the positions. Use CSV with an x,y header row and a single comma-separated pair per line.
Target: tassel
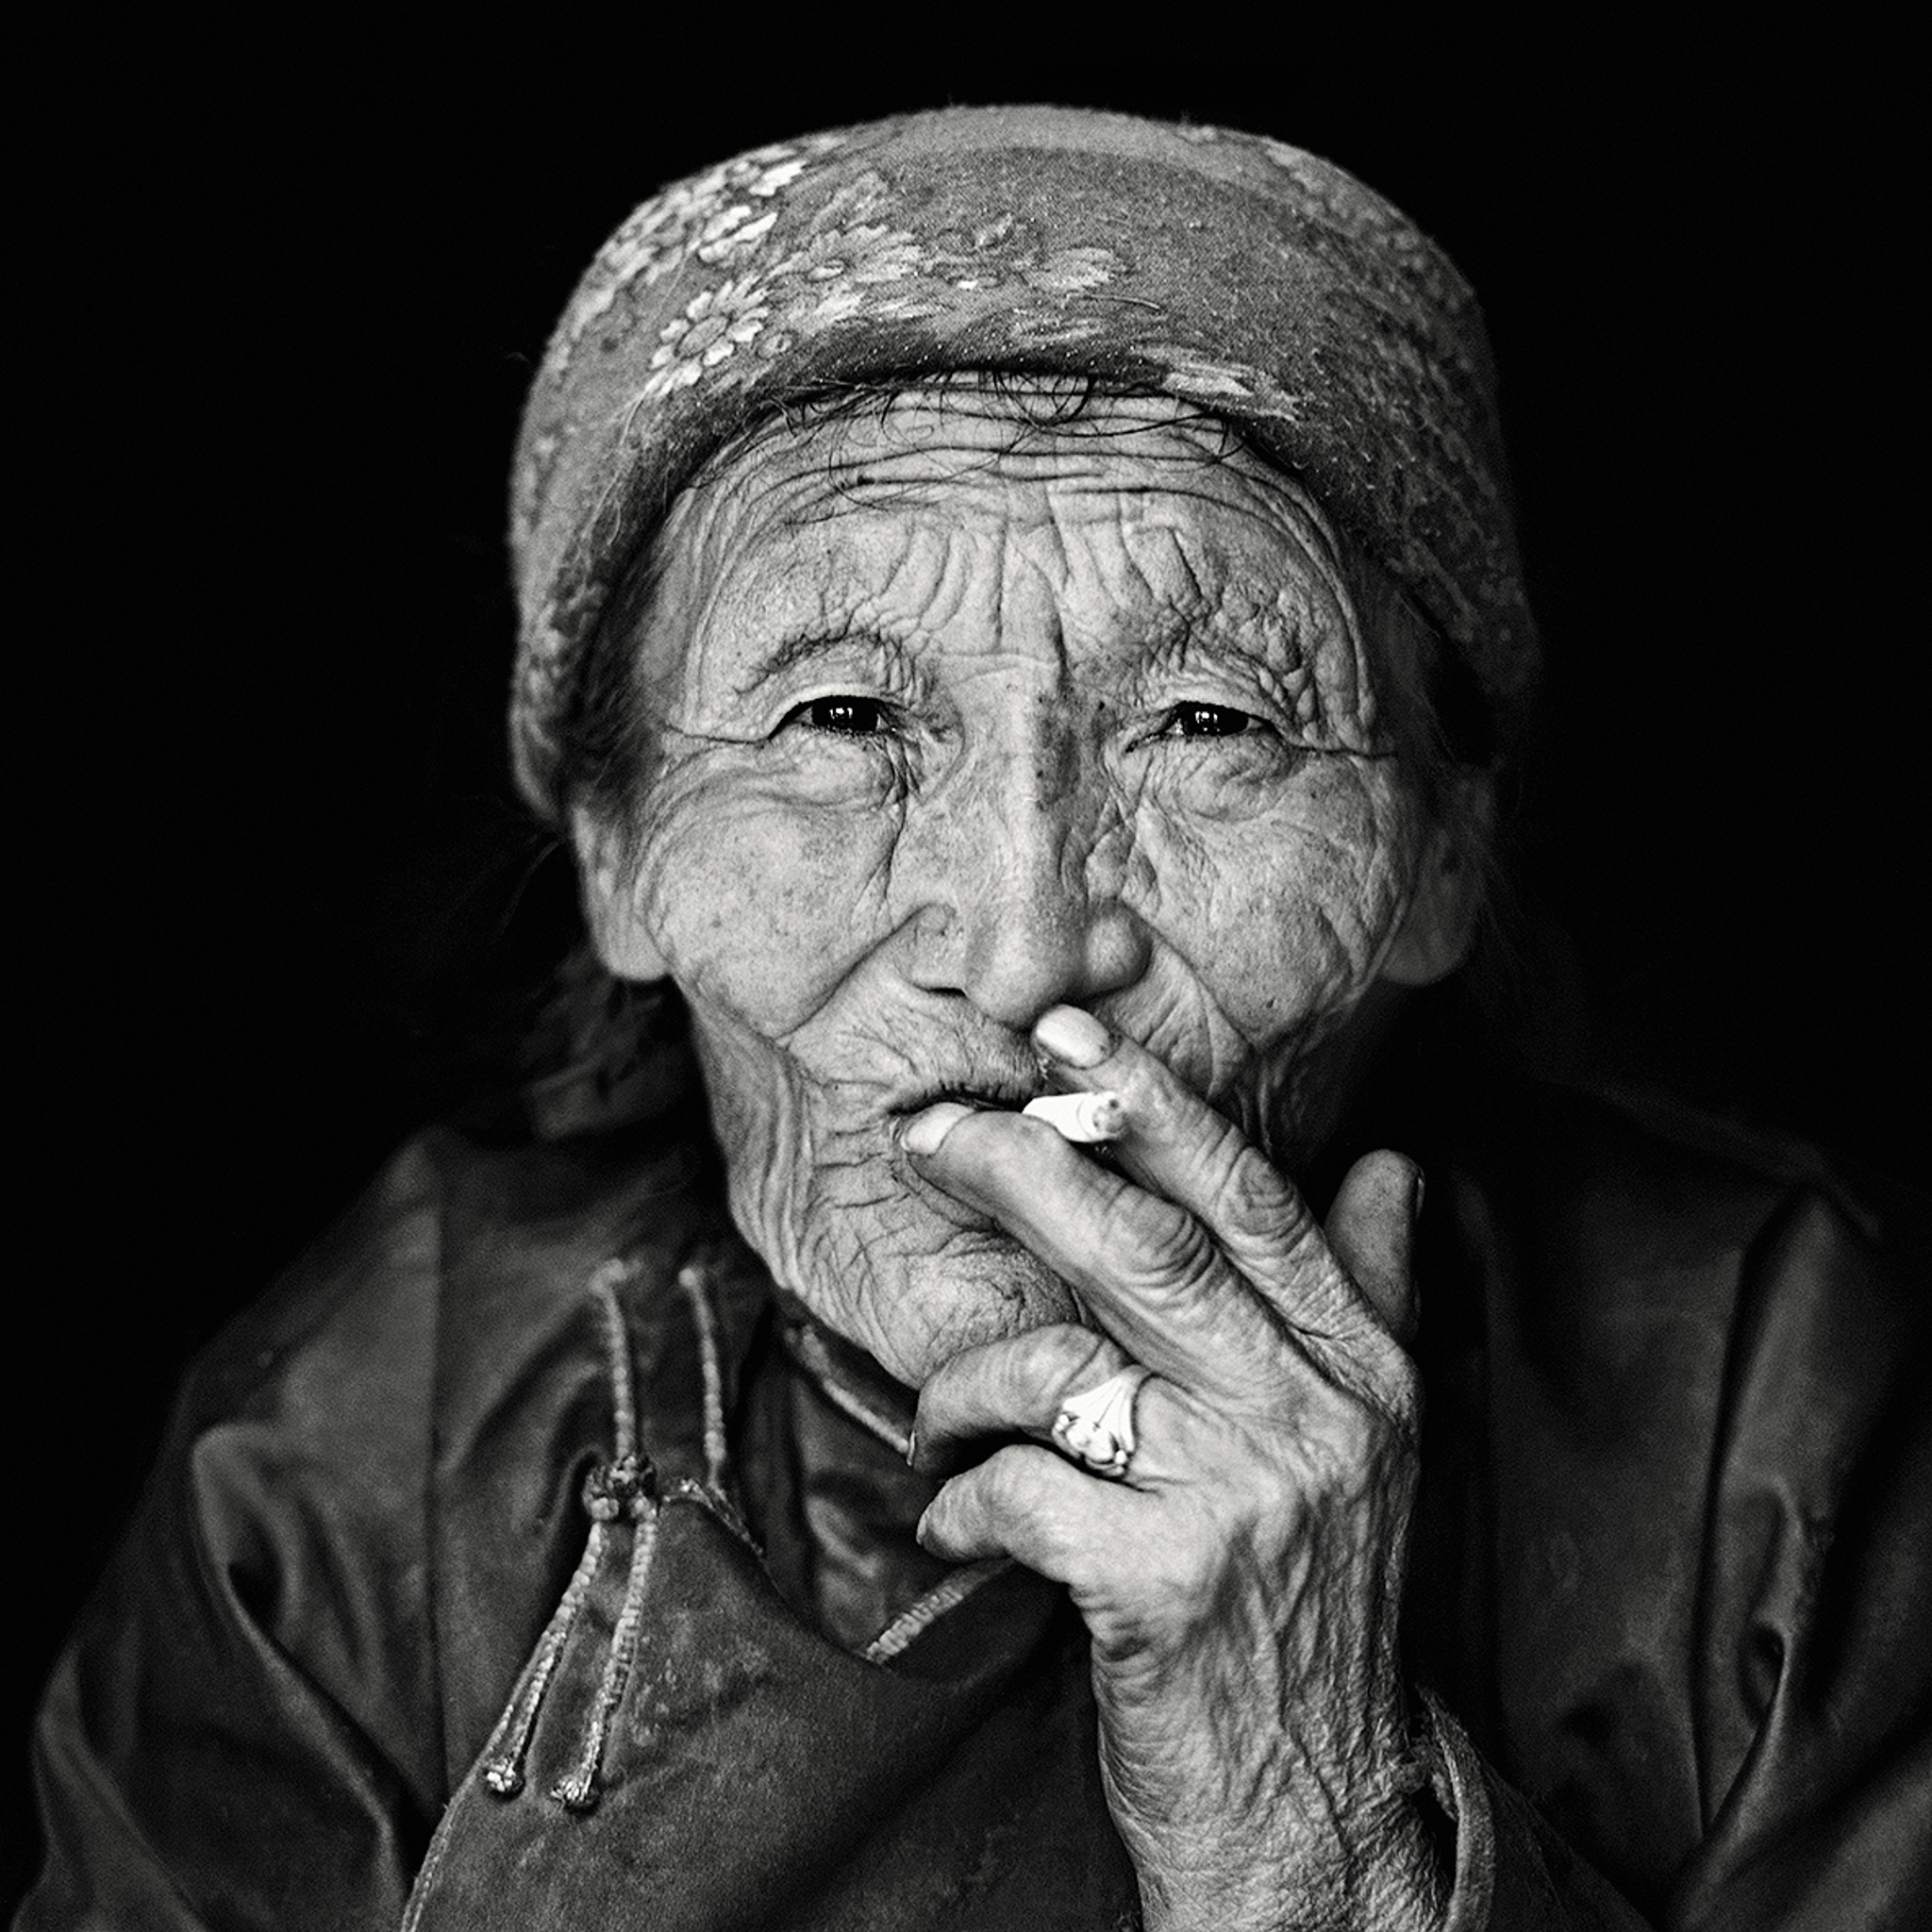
x,y
625,1487
503,1762
580,1789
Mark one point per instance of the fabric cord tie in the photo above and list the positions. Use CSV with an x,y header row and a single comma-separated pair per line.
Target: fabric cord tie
x,y
624,1489
692,1279
578,1791
503,1765
807,1350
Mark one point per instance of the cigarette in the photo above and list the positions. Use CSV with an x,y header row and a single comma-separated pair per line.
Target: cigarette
x,y
1086,1119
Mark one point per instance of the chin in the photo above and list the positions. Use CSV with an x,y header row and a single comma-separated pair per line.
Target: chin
x,y
913,1310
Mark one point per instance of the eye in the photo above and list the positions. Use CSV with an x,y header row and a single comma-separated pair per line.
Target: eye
x,y
843,716
1208,721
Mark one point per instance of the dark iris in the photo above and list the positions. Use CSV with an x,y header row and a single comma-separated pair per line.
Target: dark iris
x,y
851,717
1208,721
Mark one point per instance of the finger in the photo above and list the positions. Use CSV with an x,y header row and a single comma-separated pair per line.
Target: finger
x,y
1181,1148
1147,1269
1014,1386
1371,1232
1027,1504
1019,1384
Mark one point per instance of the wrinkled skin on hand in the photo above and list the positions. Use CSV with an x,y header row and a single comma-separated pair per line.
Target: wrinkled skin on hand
x,y
954,716
1243,1584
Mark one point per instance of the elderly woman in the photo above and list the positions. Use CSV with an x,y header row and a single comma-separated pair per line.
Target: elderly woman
x,y
1021,626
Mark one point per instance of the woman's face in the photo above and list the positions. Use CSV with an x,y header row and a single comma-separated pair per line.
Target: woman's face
x,y
949,718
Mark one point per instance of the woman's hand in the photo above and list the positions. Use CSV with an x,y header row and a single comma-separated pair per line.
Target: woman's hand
x,y
1242,1584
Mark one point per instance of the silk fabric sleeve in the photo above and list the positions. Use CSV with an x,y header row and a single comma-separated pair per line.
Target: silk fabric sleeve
x,y
242,1733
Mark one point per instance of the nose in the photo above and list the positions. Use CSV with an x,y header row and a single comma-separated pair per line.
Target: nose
x,y
1019,881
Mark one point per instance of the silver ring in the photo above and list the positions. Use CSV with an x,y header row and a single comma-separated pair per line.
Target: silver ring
x,y
1096,1429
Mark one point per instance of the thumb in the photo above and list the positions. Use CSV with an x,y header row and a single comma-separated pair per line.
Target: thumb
x,y
1370,1231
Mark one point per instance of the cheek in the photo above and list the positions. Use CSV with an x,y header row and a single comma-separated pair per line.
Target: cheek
x,y
1284,919
760,909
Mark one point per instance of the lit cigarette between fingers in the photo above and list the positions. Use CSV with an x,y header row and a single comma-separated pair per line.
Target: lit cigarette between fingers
x,y
1085,1119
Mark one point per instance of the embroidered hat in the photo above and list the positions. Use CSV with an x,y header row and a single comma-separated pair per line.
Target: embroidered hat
x,y
1231,271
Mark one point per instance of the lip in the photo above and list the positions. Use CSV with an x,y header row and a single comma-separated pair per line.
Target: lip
x,y
1007,1095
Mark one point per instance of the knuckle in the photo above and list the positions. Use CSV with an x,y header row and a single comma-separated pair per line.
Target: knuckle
x,y
1351,1440
1243,1189
1188,1579
1262,1210
1009,1481
1288,1225
1064,1357
1163,1244
1352,1435
1030,1509
1231,1163
1249,1189
1211,1145
1149,1086
1401,1390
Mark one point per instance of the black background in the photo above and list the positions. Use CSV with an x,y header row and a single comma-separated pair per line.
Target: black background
x,y
282,298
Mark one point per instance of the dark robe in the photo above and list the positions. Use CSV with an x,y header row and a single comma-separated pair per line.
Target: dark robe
x,y
489,1582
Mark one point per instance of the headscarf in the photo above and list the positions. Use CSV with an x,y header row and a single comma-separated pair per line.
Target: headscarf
x,y
1232,271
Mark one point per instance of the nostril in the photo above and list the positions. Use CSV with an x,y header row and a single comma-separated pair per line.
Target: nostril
x,y
1012,939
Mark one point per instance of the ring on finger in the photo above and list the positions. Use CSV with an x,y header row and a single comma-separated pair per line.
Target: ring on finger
x,y
1096,1429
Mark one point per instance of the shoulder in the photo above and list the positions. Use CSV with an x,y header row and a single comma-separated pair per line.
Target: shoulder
x,y
351,1343
322,1446
334,1425
1648,1174
1600,1216
1697,1345
418,1395
1658,1294
1686,1359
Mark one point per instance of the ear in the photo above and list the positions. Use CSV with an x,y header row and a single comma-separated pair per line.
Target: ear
x,y
609,895
1438,929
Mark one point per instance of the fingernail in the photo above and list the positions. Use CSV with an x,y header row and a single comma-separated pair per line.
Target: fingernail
x,y
912,1448
1073,1038
919,1533
1415,1205
925,1132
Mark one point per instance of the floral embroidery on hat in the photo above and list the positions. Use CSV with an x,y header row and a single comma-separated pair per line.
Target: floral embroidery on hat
x,y
705,216
867,255
730,231
714,325
1225,268
1006,249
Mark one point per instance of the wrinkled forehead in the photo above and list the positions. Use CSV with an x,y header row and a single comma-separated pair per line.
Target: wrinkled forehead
x,y
1245,277
936,518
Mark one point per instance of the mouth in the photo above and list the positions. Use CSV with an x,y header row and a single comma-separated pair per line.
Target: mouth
x,y
999,1094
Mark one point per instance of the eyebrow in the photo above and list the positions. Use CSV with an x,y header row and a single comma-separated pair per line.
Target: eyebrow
x,y
1210,635
1184,637
807,648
